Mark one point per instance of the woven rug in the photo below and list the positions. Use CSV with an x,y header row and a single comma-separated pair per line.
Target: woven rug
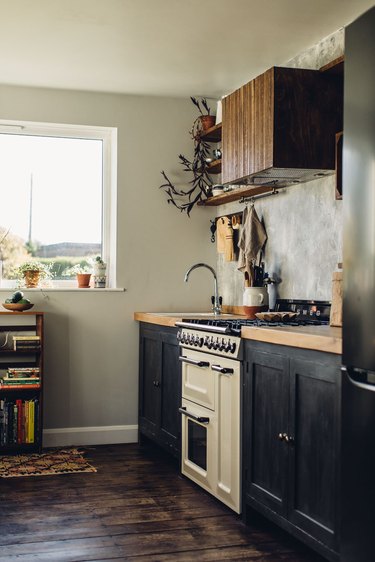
x,y
57,461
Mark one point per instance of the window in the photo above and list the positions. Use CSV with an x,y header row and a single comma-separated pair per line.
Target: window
x,y
58,197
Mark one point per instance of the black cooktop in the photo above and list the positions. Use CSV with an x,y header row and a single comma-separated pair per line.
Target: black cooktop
x,y
309,313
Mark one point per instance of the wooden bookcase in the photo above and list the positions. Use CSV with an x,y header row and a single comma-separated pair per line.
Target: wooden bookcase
x,y
21,420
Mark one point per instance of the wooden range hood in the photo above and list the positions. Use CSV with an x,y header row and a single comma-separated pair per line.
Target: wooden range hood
x,y
279,129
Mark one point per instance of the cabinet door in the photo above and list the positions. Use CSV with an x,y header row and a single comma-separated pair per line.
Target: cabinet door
x,y
266,408
247,129
149,381
314,421
231,136
170,392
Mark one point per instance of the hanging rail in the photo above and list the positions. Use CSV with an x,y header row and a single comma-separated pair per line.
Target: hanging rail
x,y
260,196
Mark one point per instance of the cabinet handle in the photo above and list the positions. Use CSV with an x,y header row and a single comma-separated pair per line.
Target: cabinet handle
x,y
156,383
192,416
222,370
185,359
285,437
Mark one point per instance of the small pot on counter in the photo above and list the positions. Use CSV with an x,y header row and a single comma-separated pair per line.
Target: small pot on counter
x,y
255,299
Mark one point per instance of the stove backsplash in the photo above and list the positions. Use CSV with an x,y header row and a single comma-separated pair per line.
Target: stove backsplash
x,y
304,244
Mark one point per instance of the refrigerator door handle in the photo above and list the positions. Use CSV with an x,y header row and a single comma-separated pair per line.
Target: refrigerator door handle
x,y
358,383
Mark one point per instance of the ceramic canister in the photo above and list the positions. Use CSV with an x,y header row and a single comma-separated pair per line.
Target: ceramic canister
x,y
255,299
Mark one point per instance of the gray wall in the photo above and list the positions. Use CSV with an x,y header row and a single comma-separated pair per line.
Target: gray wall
x,y
91,359
303,223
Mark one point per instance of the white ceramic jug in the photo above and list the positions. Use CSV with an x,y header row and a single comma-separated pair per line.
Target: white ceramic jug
x,y
255,296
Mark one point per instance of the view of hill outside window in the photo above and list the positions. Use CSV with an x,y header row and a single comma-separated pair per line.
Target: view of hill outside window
x,y
51,203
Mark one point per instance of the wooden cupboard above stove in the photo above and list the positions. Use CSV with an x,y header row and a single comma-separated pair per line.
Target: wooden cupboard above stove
x,y
279,129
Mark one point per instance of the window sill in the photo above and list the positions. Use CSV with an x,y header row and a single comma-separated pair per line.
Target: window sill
x,y
63,289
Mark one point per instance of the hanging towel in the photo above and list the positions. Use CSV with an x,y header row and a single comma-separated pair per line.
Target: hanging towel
x,y
252,239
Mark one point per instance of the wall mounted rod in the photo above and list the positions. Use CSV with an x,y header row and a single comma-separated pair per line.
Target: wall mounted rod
x,y
260,196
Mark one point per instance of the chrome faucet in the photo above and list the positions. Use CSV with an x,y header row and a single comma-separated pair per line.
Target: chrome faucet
x,y
216,300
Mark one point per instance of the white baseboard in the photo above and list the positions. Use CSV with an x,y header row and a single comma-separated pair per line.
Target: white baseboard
x,y
107,435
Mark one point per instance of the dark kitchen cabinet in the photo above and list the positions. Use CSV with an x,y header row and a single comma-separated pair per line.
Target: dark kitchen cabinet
x,y
160,386
291,441
279,129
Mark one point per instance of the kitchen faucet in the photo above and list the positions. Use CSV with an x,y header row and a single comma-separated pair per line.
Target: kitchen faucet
x,y
216,300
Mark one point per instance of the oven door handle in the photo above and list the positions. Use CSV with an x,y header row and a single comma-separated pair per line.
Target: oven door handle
x,y
193,417
185,359
222,370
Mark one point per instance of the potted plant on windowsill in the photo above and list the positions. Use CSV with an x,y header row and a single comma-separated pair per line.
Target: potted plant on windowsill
x,y
32,272
83,274
100,269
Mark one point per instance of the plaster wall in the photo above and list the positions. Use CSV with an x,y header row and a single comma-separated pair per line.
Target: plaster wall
x,y
91,352
303,223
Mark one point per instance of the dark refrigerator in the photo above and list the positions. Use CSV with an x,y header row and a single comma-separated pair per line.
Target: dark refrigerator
x,y
358,373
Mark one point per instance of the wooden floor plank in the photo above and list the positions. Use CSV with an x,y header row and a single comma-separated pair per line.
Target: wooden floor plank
x,y
137,507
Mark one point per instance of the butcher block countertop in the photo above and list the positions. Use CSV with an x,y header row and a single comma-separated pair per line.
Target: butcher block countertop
x,y
319,338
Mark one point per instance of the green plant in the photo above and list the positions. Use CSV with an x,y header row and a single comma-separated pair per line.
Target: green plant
x,y
201,183
99,260
44,269
76,270
204,103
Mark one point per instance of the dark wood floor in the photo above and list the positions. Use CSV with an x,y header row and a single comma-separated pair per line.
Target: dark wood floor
x,y
136,507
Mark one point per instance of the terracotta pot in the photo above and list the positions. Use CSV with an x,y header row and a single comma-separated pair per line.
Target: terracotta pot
x,y
207,121
31,277
83,280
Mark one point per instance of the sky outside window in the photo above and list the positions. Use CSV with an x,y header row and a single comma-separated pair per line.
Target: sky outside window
x,y
67,188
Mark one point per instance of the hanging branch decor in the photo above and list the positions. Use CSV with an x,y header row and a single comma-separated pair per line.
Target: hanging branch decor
x,y
200,184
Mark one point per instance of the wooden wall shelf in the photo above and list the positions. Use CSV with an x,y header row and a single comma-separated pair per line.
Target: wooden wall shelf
x,y
235,195
214,167
213,134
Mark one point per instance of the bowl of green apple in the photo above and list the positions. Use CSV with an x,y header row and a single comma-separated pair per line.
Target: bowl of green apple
x,y
17,303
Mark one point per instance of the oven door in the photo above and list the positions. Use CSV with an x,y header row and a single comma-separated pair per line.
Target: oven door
x,y
199,443
211,434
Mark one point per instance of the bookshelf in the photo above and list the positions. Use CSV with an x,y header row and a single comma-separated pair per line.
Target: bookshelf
x,y
21,382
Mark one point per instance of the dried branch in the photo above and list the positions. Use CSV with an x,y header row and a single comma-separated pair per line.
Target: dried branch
x,y
201,183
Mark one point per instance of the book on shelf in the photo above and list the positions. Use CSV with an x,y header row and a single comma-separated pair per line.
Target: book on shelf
x,y
26,347
19,421
19,380
19,386
26,338
26,342
22,372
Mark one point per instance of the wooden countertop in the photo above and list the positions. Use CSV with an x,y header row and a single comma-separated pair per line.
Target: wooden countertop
x,y
319,338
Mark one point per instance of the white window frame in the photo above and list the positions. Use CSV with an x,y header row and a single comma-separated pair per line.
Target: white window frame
x,y
108,135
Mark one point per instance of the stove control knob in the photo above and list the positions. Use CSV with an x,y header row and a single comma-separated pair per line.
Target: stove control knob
x,y
196,341
233,347
205,341
210,343
223,344
215,344
179,335
200,341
